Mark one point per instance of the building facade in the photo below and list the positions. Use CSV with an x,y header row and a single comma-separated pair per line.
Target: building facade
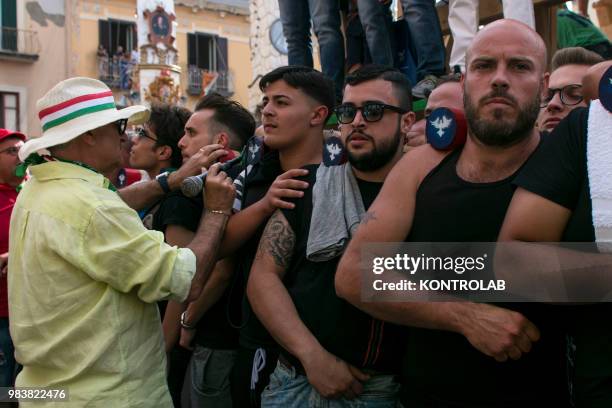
x,y
34,42
46,41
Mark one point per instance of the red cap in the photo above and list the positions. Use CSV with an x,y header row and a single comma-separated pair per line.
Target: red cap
x,y
4,133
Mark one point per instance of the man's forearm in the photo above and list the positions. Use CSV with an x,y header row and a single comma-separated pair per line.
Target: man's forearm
x,y
427,315
241,227
205,245
141,195
439,315
268,295
171,324
274,307
547,272
218,282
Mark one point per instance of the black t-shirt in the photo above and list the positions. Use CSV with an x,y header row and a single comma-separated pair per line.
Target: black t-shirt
x,y
558,172
252,333
213,329
442,367
341,328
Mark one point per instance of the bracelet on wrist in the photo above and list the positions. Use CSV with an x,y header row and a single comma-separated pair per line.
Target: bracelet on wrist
x,y
184,324
228,213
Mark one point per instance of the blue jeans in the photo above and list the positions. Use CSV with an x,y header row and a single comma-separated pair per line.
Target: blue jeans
x,y
7,355
376,21
325,14
426,35
289,389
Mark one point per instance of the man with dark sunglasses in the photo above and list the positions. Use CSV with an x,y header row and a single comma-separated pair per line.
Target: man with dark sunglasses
x,y
332,354
564,93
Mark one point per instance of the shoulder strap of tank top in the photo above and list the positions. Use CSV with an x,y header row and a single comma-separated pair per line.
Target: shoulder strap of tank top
x,y
450,159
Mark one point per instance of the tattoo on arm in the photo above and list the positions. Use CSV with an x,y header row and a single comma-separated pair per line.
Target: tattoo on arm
x,y
277,240
367,217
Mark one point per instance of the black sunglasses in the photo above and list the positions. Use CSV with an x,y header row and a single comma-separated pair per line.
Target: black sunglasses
x,y
121,125
371,111
570,95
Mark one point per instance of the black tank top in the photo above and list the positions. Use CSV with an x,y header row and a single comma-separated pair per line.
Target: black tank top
x,y
450,209
442,368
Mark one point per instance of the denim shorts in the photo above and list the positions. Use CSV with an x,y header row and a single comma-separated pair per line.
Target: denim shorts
x,y
289,389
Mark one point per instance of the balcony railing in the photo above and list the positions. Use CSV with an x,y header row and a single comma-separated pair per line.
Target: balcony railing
x,y
116,72
19,44
202,81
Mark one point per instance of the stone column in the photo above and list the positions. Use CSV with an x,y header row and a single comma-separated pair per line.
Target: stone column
x,y
264,57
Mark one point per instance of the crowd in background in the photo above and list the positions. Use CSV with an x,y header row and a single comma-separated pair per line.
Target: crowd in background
x,y
414,44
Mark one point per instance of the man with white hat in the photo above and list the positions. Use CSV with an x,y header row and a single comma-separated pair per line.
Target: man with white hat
x,y
85,272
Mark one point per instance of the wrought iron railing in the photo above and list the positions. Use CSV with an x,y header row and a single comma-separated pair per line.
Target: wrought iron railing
x,y
116,71
18,41
202,81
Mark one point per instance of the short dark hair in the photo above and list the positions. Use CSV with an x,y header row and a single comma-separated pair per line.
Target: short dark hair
x,y
575,56
401,85
168,122
229,116
445,79
308,80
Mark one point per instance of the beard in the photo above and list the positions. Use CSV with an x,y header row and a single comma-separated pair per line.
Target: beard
x,y
501,132
382,151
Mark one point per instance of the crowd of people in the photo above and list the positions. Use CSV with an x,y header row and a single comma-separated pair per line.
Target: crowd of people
x,y
249,294
414,43
116,69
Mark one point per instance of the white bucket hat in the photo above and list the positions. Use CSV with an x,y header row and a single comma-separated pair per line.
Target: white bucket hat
x,y
73,107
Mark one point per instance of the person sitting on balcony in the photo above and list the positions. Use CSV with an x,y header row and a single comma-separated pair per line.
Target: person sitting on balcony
x,y
118,53
134,56
102,55
102,51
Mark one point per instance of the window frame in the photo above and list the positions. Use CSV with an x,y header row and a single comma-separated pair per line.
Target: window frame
x,y
3,109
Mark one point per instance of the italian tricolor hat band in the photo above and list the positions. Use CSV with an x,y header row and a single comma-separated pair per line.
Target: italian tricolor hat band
x,y
82,105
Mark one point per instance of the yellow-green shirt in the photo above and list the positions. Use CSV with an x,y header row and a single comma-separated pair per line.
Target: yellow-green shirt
x,y
85,276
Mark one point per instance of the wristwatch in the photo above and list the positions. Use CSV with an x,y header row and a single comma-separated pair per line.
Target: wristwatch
x,y
162,179
184,325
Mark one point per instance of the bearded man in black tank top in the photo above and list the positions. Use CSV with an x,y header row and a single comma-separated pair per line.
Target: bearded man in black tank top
x,y
464,354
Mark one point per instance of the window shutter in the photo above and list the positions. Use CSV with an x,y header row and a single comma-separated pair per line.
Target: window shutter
x,y
222,64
